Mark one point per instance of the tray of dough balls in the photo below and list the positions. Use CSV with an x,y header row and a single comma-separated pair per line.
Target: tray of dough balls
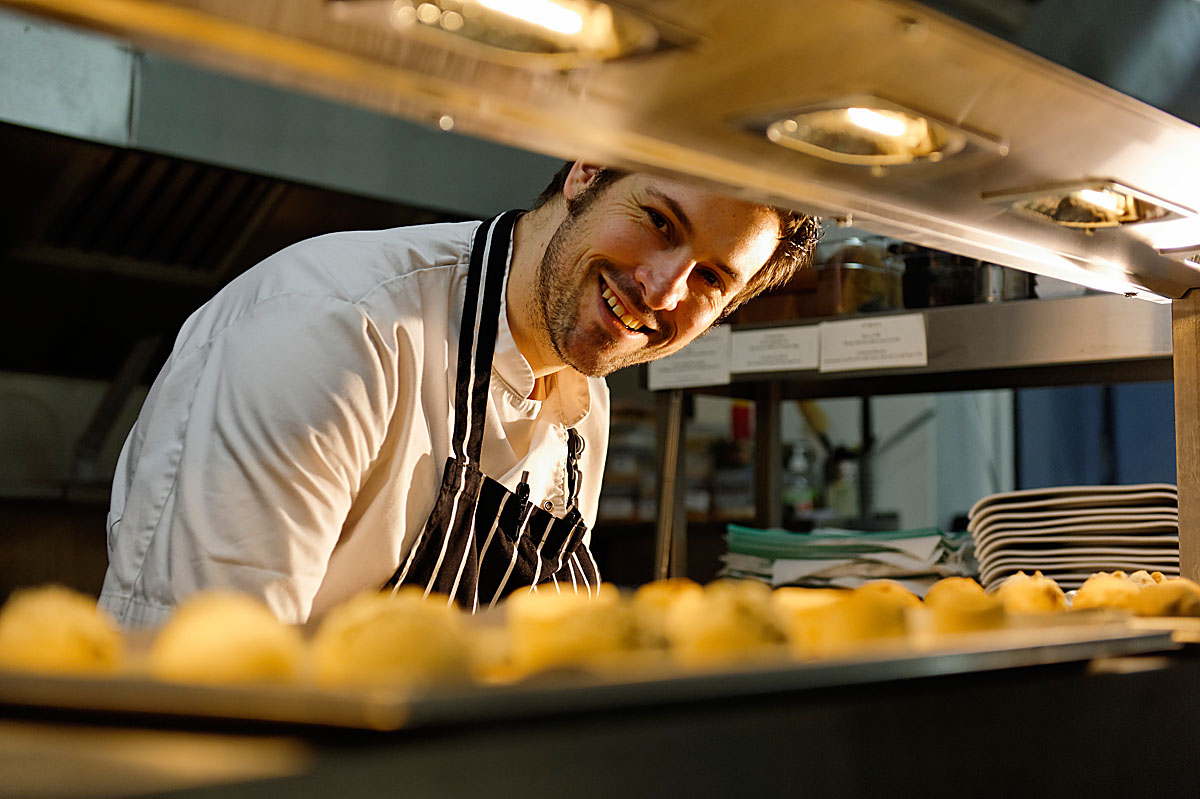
x,y
384,661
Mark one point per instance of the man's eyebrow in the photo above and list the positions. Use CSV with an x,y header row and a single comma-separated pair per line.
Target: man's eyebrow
x,y
677,210
675,207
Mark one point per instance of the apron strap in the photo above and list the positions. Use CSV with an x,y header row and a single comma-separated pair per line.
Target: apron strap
x,y
477,335
574,475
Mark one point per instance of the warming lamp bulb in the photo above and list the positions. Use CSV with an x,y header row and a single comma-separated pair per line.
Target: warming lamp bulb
x,y
873,120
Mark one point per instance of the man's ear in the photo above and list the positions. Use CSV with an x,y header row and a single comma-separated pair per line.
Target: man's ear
x,y
579,178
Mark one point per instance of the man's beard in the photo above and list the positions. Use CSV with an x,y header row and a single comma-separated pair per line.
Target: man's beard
x,y
557,298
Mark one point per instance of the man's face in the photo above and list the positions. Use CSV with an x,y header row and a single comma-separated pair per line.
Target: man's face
x,y
644,266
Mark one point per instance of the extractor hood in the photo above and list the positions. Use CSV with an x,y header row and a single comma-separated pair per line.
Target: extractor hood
x,y
106,250
1023,162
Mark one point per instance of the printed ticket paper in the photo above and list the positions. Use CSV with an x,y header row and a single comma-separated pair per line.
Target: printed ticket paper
x,y
874,343
704,362
776,349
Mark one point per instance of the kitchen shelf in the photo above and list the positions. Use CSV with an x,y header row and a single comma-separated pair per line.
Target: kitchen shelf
x,y
1101,338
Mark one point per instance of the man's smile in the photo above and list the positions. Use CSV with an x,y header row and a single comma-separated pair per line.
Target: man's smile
x,y
620,311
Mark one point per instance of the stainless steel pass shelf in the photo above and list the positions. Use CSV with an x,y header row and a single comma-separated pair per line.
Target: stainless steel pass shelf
x,y
1102,338
1093,339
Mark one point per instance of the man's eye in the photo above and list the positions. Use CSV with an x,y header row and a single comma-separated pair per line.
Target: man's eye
x,y
711,278
657,219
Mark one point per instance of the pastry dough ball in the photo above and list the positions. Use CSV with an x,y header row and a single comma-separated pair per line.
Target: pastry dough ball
x,y
400,640
53,628
959,605
1106,590
549,629
727,621
795,609
890,591
1142,578
491,649
870,615
1021,593
791,600
953,591
222,637
653,601
1178,597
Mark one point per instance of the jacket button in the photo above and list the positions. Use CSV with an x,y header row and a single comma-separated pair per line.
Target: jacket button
x,y
548,505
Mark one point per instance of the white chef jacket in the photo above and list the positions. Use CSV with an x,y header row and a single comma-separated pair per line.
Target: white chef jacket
x,y
293,444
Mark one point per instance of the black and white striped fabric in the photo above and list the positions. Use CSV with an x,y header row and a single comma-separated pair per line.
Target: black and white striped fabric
x,y
481,542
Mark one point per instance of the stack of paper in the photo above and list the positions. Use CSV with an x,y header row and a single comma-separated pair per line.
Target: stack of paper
x,y
1070,532
831,557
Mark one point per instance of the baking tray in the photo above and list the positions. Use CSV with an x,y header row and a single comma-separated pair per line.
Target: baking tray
x,y
638,684
1184,630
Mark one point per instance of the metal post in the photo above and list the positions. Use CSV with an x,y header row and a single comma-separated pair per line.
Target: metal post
x,y
866,477
672,521
1185,334
768,456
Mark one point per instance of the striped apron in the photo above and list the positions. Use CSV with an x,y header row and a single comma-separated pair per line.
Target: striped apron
x,y
482,541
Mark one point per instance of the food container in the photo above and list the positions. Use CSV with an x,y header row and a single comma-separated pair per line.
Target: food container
x,y
860,277
933,278
995,283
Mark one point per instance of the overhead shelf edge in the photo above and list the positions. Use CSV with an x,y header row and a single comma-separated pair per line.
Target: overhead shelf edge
x,y
1099,338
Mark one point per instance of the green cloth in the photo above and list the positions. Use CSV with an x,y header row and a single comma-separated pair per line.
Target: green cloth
x,y
826,543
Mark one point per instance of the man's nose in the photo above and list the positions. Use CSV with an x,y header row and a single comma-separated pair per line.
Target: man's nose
x,y
664,280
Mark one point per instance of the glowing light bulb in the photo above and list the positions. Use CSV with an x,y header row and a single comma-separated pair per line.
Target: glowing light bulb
x,y
1104,199
873,120
546,13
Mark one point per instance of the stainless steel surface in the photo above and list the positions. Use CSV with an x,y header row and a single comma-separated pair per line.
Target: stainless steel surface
x,y
641,685
65,81
806,742
54,761
687,110
1045,332
996,284
1018,343
58,79
222,119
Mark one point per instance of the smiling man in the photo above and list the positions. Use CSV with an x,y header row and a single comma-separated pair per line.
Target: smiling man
x,y
422,406
633,268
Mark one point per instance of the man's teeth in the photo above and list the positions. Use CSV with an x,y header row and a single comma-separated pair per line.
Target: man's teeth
x,y
619,310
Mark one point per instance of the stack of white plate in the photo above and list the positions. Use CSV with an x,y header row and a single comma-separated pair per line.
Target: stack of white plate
x,y
1069,532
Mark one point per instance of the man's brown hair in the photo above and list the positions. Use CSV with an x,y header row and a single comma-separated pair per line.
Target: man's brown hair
x,y
798,237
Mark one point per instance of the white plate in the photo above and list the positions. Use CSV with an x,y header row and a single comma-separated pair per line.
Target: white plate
x,y
1078,557
1038,519
1079,523
1069,543
1067,492
1093,531
1127,528
1142,500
